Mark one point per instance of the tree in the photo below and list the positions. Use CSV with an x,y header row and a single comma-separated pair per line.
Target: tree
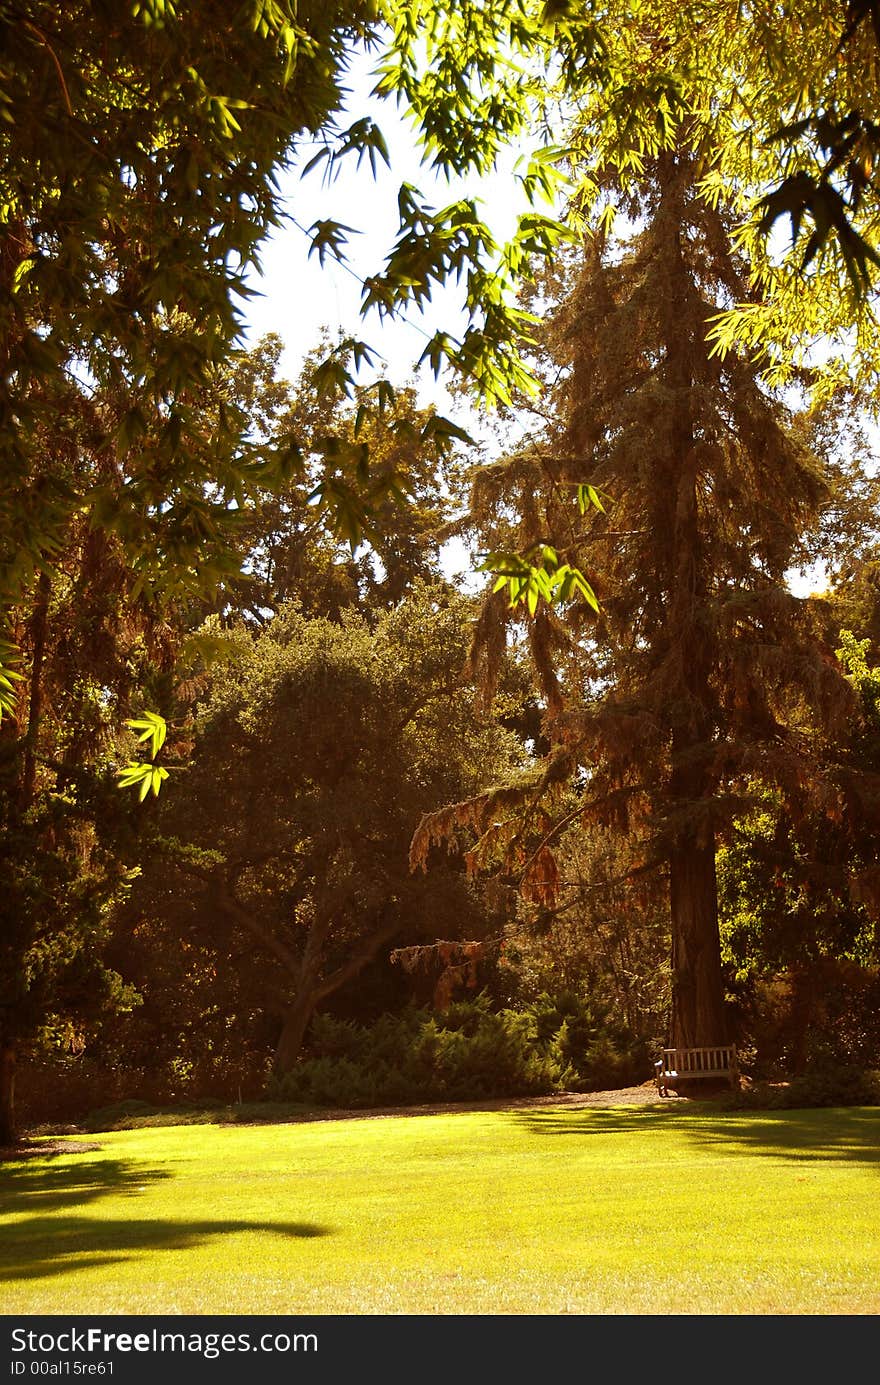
x,y
95,644
605,936
799,897
284,844
140,149
66,841
777,109
139,154
391,507
832,142
702,666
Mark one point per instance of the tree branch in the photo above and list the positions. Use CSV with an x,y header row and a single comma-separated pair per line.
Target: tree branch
x,y
351,968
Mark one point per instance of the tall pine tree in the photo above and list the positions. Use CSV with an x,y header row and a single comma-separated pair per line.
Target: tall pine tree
x,y
702,668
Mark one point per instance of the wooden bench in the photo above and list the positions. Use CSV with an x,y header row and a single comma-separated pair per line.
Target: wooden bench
x,y
681,1064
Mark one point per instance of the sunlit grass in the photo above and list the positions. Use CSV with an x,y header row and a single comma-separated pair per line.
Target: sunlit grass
x,y
618,1210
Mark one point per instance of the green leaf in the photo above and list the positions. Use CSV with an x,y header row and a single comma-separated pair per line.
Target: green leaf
x,y
385,395
143,776
328,238
315,160
331,375
136,774
441,347
158,776
152,728
528,583
587,495
443,432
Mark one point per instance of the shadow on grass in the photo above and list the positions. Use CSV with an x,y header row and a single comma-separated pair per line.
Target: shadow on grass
x,y
849,1134
45,1242
35,1187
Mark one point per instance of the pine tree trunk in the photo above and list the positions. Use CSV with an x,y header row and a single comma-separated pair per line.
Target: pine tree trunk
x,y
697,988
698,1011
8,1126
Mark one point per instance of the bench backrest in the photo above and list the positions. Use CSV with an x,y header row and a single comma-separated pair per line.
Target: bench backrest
x,y
717,1058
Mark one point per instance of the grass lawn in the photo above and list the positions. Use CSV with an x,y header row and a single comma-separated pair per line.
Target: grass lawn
x,y
602,1211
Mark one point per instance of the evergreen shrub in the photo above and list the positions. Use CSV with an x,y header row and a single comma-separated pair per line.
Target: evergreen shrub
x,y
822,1084
466,1052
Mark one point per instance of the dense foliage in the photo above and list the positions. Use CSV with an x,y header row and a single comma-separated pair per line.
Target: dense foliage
x,y
468,1051
187,542
316,748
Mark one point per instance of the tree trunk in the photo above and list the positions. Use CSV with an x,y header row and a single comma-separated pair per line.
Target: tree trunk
x,y
293,1031
698,1016
312,989
698,1011
802,1016
8,1126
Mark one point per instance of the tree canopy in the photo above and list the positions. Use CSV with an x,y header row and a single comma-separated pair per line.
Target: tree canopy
x,y
157,473
140,149
315,751
139,157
